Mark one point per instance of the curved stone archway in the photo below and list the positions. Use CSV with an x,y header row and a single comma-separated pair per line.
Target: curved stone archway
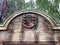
x,y
38,25
47,17
29,26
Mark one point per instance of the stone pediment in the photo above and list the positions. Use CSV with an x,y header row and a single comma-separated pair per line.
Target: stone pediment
x,y
13,16
28,27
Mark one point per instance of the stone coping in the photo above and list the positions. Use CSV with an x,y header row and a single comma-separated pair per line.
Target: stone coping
x,y
29,43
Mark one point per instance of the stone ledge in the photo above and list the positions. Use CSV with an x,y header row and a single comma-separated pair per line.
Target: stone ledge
x,y
29,43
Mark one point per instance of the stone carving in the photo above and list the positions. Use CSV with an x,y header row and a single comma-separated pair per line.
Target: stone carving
x,y
29,21
30,27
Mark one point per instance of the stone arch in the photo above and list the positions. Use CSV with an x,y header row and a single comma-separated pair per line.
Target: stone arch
x,y
47,17
44,17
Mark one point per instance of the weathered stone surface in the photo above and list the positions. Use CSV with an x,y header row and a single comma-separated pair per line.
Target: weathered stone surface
x,y
41,33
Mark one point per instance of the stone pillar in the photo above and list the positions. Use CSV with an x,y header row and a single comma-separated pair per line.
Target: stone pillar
x,y
57,37
40,30
43,35
29,36
17,30
16,36
1,43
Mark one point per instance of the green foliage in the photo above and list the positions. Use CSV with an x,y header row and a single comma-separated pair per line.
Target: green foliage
x,y
47,6
51,8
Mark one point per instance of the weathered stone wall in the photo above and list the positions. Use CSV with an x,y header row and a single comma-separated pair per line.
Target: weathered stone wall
x,y
41,32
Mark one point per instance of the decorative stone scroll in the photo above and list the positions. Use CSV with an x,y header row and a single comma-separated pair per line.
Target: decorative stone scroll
x,y
29,21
